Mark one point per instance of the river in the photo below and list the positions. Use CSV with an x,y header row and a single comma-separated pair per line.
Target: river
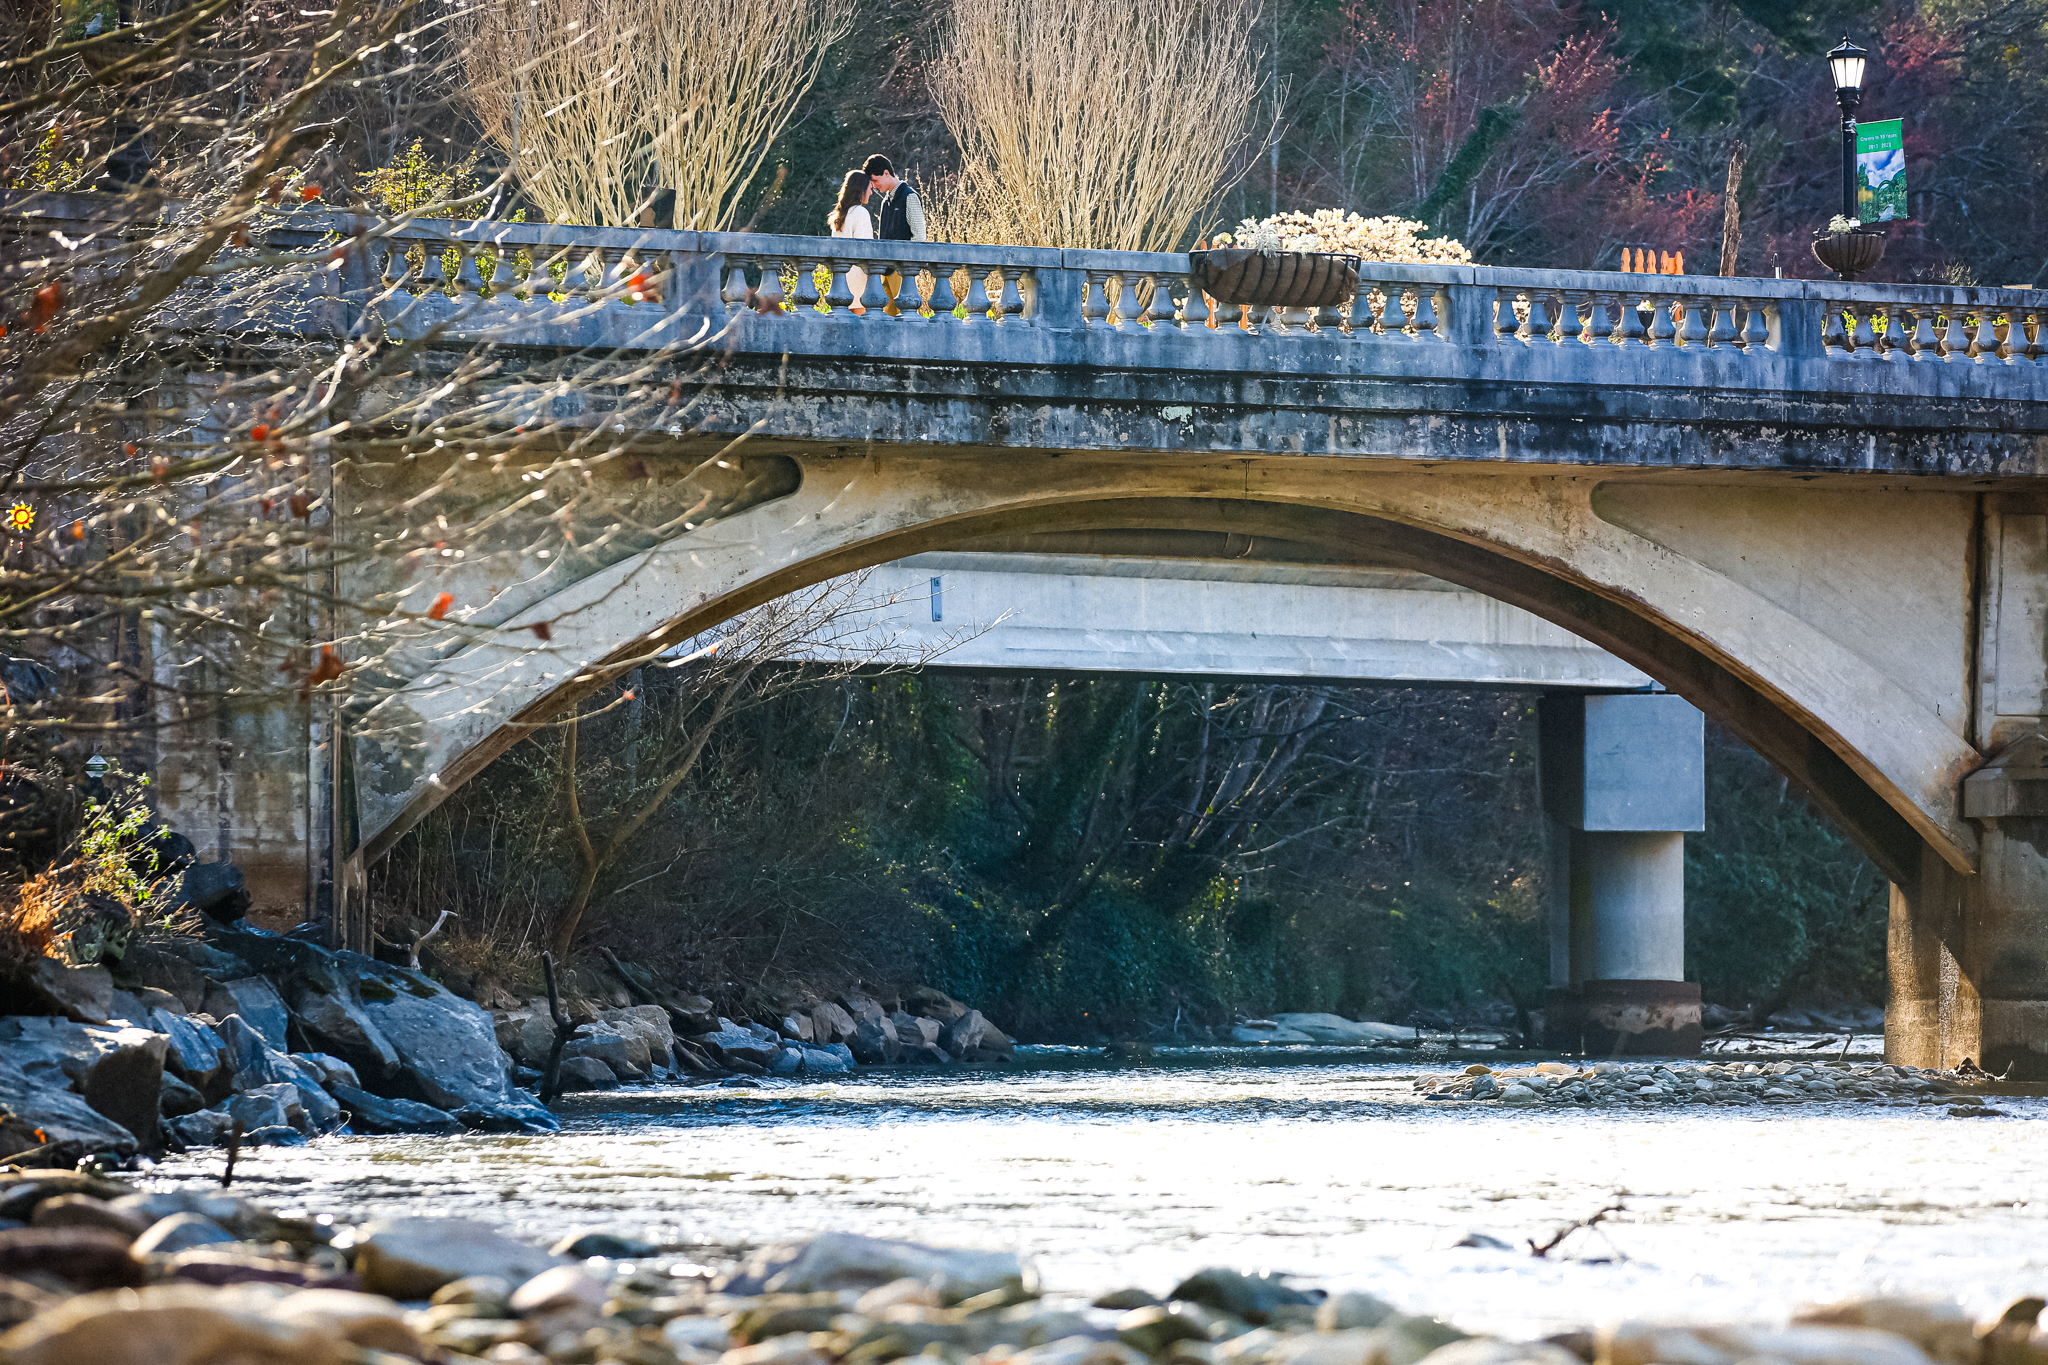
x,y
1335,1170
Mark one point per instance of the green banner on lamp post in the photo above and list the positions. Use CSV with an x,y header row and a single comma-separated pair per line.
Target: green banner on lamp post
x,y
1880,171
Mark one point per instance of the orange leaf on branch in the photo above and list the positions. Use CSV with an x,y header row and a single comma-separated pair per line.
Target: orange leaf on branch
x,y
440,608
301,505
326,670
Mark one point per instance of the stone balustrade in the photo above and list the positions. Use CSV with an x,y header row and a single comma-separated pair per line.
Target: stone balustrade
x,y
557,286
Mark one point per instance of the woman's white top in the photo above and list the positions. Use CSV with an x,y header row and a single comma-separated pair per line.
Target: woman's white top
x,y
858,223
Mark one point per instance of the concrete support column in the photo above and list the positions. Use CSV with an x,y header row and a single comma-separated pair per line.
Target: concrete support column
x,y
1969,954
1623,779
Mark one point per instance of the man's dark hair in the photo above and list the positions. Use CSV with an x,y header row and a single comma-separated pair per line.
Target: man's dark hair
x,y
877,165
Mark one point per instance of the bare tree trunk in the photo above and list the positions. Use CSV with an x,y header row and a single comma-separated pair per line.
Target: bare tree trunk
x,y
1731,212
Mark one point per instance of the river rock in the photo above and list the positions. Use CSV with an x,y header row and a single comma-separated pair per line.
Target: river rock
x,y
830,1024
627,1057
176,1098
255,1065
448,1052
84,1211
1493,1351
155,966
875,1040
374,1114
126,1084
916,1031
1255,1298
1349,1308
836,1060
329,1070
844,1260
649,1024
585,1073
1151,1330
180,1232
963,1033
215,889
62,1124
1816,1345
933,1003
255,1000
562,1288
732,1044
201,1128
85,1258
1938,1327
267,1106
410,1258
788,1061
45,986
185,1325
691,1015
696,1335
245,1218
194,1052
1079,1350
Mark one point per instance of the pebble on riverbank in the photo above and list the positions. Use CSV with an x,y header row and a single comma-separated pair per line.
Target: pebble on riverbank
x,y
79,1285
1639,1085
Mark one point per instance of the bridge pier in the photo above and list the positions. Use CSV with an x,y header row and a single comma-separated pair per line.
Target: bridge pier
x,y
1623,779
1969,954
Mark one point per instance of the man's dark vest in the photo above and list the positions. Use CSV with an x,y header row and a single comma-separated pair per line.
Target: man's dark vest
x,y
893,224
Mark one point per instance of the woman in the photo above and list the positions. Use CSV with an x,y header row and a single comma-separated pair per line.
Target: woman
x,y
850,218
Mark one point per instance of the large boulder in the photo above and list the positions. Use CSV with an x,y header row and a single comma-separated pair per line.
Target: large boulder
x,y
409,1258
57,1125
214,889
369,1113
627,1057
874,1039
126,1084
254,1065
257,1001
194,1053
650,1024
191,1325
117,1069
154,966
693,1014
731,1043
43,985
830,1024
585,1073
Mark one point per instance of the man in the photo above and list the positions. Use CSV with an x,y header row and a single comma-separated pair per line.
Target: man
x,y
899,217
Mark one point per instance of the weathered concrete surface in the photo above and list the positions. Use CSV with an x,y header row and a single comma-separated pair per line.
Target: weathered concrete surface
x,y
1234,617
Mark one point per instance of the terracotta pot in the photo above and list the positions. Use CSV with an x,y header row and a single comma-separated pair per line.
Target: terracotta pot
x,y
1850,254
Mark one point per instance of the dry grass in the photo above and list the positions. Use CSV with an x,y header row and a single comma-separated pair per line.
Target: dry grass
x,y
28,917
604,100
1096,123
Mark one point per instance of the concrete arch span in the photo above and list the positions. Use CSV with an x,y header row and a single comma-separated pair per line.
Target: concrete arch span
x,y
1835,628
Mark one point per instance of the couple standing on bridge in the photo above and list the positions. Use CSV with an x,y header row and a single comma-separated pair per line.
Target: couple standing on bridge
x,y
899,217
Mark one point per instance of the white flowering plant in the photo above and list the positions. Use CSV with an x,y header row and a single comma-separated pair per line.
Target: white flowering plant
x,y
1372,239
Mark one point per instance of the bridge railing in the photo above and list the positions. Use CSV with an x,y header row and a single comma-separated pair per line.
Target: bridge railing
x,y
550,284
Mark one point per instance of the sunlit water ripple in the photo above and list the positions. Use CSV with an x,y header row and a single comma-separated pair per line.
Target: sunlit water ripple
x,y
1333,1170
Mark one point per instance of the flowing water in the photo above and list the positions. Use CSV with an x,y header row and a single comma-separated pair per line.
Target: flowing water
x,y
1334,1170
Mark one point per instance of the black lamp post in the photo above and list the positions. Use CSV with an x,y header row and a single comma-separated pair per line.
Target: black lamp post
x,y
1847,62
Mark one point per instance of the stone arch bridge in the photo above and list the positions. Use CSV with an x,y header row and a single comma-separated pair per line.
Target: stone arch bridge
x,y
1817,511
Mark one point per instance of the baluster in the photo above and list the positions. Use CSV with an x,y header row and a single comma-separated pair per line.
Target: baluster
x,y
943,300
1425,320
1833,335
1756,328
469,275
1159,312
1329,317
540,280
1661,330
1723,331
1194,309
1393,317
1954,341
2037,342
768,298
1012,311
1628,326
1693,331
1866,333
735,291
392,267
1536,322
1568,326
874,297
1363,321
1984,346
1505,323
1123,303
1095,307
1916,332
977,294
806,298
433,274
1229,317
1600,315
838,293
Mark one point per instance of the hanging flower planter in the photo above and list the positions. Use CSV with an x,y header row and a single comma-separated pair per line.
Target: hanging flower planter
x,y
1281,279
1849,254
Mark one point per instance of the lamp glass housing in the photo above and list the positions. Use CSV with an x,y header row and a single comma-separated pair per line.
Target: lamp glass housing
x,y
1847,63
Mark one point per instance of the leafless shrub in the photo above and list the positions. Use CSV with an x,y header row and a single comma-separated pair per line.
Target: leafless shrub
x,y
1099,123
603,101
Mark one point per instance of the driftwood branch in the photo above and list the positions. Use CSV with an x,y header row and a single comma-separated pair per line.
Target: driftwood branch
x,y
550,1081
1570,1228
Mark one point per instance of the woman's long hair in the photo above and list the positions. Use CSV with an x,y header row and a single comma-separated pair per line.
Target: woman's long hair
x,y
851,191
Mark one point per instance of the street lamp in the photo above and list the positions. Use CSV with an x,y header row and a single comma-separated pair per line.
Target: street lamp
x,y
1847,63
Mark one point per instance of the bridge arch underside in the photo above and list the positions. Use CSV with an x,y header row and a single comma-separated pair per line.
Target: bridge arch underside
x,y
1795,616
